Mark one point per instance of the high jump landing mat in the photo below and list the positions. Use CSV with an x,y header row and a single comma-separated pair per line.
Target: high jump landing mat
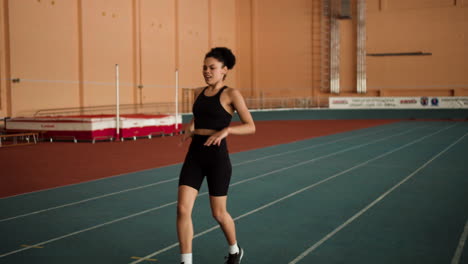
x,y
96,127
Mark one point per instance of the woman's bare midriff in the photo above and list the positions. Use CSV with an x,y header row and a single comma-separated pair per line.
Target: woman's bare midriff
x,y
204,132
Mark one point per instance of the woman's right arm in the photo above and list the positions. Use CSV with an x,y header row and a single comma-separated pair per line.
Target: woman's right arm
x,y
190,127
188,131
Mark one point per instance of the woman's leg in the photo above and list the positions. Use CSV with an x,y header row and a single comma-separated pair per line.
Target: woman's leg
x,y
220,213
185,202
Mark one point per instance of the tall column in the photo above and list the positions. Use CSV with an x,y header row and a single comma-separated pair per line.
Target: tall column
x,y
361,47
334,47
325,47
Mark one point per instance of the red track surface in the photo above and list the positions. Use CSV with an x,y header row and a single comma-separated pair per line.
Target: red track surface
x,y
46,165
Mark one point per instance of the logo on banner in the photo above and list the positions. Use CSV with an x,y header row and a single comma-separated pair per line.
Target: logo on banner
x,y
424,101
340,102
435,101
408,101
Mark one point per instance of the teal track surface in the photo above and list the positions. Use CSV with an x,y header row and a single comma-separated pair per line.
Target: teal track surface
x,y
394,193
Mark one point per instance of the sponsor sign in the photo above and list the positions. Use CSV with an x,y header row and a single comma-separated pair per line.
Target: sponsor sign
x,y
398,102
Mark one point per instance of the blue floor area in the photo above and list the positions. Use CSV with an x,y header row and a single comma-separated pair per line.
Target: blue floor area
x,y
394,193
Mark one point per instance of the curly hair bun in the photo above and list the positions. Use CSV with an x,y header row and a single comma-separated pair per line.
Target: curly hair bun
x,y
223,55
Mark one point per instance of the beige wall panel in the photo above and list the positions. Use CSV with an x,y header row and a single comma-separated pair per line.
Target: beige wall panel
x,y
158,50
193,41
43,43
418,4
440,31
272,39
284,48
244,50
223,31
107,40
373,5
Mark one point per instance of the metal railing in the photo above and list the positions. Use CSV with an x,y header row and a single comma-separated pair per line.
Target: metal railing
x,y
169,107
279,103
149,108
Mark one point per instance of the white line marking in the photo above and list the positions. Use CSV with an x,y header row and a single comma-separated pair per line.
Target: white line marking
x,y
292,194
176,178
87,229
124,174
311,147
87,200
458,253
354,217
205,193
90,181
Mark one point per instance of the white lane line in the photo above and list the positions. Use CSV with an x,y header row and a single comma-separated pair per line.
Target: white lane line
x,y
176,178
458,253
138,171
85,182
313,146
292,194
205,193
87,229
365,209
87,200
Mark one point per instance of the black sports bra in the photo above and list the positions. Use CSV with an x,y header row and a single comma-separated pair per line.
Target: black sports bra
x,y
208,112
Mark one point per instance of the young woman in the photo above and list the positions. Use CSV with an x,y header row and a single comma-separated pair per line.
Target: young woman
x,y
208,154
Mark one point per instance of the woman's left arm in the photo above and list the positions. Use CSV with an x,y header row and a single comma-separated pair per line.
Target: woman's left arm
x,y
247,126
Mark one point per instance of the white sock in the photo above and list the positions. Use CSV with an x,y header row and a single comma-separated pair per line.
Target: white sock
x,y
186,258
233,249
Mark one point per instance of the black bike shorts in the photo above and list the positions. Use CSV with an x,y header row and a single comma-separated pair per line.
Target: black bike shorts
x,y
212,161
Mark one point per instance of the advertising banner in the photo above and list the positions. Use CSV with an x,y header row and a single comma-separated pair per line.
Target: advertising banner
x,y
423,102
